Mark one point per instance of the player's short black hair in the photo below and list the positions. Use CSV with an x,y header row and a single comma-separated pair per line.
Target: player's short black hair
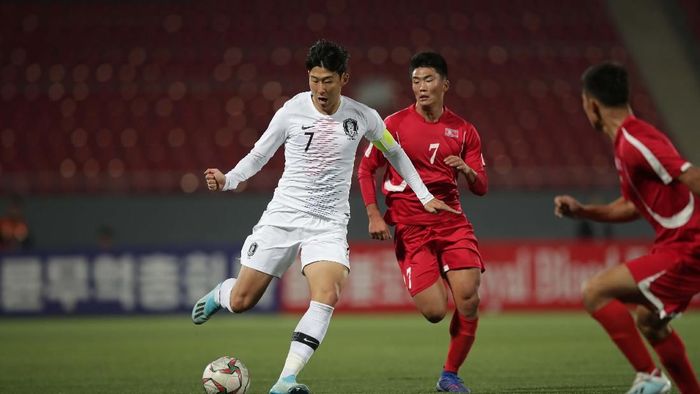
x,y
328,55
607,82
428,59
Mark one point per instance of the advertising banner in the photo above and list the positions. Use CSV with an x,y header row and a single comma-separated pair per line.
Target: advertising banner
x,y
154,281
520,275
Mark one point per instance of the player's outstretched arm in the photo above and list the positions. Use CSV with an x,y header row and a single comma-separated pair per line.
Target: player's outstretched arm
x,y
691,178
617,211
568,206
265,147
403,165
214,178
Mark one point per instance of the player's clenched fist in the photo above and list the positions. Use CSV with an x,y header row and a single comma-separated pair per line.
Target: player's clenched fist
x,y
215,179
566,206
457,163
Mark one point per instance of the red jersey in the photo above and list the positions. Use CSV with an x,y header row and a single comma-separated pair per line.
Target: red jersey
x,y
648,165
427,145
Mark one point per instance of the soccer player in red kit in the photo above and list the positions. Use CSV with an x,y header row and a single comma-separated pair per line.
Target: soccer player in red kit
x,y
661,187
431,248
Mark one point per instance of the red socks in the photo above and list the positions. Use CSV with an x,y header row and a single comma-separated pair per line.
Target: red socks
x,y
671,351
462,333
618,322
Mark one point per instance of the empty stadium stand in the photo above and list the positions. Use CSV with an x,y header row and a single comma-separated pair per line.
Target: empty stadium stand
x,y
124,97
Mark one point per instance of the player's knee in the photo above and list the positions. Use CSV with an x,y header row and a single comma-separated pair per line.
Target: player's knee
x,y
651,326
242,302
327,295
646,329
590,292
433,312
434,315
433,307
469,305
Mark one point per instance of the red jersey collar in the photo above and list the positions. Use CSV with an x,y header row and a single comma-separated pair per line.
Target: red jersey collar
x,y
445,110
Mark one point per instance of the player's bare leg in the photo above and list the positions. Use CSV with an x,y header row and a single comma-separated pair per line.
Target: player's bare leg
x,y
670,348
326,280
235,294
249,288
603,297
464,285
432,302
614,283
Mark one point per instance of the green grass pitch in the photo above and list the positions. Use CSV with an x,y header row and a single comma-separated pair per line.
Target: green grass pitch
x,y
514,353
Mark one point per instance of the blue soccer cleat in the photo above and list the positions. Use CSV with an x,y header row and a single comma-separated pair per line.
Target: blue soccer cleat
x,y
451,383
206,306
650,383
289,385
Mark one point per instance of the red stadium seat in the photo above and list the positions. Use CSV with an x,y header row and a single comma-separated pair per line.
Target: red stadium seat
x,y
150,84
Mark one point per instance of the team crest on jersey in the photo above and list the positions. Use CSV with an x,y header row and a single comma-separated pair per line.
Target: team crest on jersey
x,y
252,249
452,133
350,127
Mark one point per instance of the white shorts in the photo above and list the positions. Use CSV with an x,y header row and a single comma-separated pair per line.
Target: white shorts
x,y
281,232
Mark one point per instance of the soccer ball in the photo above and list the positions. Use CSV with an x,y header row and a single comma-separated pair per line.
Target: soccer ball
x,y
226,375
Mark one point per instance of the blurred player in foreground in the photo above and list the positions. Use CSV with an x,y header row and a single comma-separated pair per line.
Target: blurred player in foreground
x,y
310,210
432,249
662,187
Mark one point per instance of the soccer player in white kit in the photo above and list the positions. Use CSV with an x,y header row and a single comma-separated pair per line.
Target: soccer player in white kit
x,y
309,211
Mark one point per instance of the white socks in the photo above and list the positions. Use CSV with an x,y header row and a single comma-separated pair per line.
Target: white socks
x,y
307,336
224,296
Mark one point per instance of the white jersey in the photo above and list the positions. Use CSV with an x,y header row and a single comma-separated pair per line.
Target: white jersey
x,y
319,154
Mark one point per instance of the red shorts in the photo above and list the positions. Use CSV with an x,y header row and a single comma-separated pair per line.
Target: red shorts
x,y
668,278
425,253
